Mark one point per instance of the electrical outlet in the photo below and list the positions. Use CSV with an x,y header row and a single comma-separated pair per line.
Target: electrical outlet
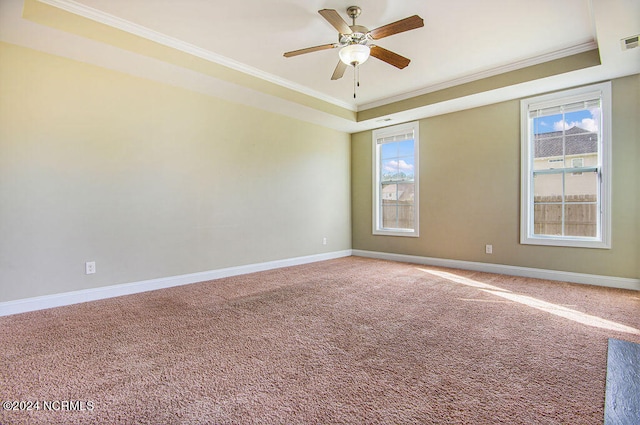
x,y
324,241
488,249
90,267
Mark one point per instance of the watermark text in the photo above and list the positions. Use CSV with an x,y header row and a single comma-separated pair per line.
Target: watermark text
x,y
49,405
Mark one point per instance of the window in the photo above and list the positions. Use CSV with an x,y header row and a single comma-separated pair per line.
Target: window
x,y
577,163
395,192
566,156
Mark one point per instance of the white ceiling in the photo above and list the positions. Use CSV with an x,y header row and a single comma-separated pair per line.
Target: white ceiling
x,y
462,40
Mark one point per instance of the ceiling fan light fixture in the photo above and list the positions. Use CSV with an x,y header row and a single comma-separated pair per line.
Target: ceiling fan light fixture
x,y
354,54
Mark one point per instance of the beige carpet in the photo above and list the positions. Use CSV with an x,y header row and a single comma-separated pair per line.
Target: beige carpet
x,y
351,340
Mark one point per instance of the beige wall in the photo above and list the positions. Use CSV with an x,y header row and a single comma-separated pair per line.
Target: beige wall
x,y
151,181
626,126
469,183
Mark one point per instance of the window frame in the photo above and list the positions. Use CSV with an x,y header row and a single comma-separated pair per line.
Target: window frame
x,y
603,238
376,164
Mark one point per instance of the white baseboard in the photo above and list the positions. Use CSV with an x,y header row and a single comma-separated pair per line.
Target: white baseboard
x,y
67,298
587,279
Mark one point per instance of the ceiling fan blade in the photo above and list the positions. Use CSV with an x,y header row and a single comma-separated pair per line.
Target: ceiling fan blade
x,y
402,25
389,57
336,20
310,49
339,71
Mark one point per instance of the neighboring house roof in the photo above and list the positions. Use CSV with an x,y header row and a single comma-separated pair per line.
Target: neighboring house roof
x,y
577,141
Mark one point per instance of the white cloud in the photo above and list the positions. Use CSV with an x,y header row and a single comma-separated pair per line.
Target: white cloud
x,y
394,166
589,124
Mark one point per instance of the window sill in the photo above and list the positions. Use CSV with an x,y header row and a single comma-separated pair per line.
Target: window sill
x,y
566,242
408,233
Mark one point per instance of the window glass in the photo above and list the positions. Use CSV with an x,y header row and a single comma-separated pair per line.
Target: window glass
x,y
566,167
395,180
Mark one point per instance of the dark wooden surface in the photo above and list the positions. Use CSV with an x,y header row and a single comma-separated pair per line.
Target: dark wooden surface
x,y
622,400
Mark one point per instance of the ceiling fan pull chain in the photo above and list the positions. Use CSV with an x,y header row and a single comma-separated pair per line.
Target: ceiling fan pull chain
x,y
355,69
356,78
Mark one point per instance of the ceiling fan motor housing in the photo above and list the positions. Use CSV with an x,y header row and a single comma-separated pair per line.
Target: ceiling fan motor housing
x,y
357,36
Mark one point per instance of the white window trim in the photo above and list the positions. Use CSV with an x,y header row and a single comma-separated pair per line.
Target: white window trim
x,y
603,240
386,132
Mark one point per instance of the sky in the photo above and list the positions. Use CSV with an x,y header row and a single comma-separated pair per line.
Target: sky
x,y
397,157
585,119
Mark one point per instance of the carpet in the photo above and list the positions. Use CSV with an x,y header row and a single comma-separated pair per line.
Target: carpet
x,y
349,341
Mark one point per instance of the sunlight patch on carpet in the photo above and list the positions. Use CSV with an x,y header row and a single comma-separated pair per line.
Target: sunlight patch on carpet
x,y
555,309
485,301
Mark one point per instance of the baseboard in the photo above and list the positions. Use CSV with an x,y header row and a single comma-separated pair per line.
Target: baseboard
x,y
67,298
57,300
587,279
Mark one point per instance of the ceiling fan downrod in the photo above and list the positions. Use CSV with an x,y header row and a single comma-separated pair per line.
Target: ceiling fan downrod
x,y
353,12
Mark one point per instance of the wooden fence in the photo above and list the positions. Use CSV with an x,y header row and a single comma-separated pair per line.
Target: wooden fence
x,y
397,214
580,215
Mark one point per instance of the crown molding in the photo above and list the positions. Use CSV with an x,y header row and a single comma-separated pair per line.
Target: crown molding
x,y
174,43
547,57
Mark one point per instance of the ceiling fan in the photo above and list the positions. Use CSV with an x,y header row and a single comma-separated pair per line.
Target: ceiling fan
x,y
355,41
